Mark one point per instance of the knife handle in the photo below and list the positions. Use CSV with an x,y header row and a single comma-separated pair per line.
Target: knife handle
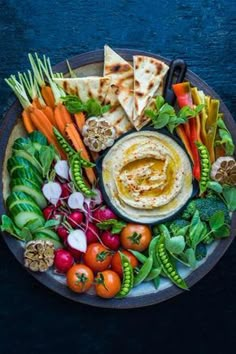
x,y
175,75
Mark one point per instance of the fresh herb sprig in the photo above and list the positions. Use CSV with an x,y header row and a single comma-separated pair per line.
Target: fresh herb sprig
x,y
165,115
92,107
225,138
112,224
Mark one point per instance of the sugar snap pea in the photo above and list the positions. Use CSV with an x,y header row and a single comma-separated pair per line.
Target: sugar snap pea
x,y
140,256
152,250
63,143
77,177
144,271
205,166
167,265
154,273
128,277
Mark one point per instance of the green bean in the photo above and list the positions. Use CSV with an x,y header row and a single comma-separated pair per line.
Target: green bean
x,y
140,256
144,271
168,266
78,177
63,143
128,277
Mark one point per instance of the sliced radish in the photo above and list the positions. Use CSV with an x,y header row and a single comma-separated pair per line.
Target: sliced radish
x,y
76,201
62,169
97,199
52,192
77,240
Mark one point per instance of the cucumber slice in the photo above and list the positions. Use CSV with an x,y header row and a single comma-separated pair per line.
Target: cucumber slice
x,y
25,213
42,235
28,174
30,188
18,198
27,156
16,162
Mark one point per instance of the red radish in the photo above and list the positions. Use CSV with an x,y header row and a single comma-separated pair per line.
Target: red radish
x,y
76,201
62,232
75,218
63,260
110,240
62,169
91,233
76,254
77,241
103,214
66,191
52,192
48,212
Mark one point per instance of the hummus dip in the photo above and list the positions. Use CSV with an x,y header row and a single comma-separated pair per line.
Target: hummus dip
x,y
147,176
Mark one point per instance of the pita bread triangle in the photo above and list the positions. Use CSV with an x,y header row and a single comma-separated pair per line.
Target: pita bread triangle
x,y
86,87
118,69
148,75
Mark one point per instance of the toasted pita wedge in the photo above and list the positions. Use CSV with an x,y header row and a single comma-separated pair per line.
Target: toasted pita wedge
x,y
119,70
148,75
118,119
126,99
86,87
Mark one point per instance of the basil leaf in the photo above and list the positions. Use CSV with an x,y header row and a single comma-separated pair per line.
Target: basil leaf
x,y
191,258
161,121
159,102
222,232
175,244
112,224
217,220
9,226
105,108
151,114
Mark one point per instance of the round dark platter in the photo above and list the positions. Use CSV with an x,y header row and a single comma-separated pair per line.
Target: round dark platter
x,y
87,62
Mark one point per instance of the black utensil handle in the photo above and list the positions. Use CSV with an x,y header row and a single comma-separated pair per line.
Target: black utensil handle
x,y
175,75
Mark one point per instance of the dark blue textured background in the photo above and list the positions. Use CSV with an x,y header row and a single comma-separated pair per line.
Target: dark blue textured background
x,y
34,320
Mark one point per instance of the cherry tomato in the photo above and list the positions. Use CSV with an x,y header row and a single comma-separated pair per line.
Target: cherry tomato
x,y
116,261
97,257
135,237
79,278
108,284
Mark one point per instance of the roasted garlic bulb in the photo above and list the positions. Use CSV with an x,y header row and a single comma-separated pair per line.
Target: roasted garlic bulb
x,y
223,170
39,255
98,134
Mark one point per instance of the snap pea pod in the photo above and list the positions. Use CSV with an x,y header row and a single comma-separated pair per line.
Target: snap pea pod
x,y
152,250
63,143
168,268
140,256
77,177
205,166
154,273
156,282
144,271
70,151
156,263
128,277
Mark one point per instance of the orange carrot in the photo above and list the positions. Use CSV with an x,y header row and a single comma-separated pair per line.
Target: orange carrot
x,y
94,155
48,111
62,117
29,126
80,120
64,113
76,140
36,103
48,96
43,124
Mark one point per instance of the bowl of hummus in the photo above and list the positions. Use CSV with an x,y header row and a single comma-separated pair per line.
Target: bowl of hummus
x,y
146,177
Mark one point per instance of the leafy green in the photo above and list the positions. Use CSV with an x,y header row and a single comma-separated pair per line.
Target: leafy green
x,y
217,220
8,225
215,186
112,224
197,230
46,157
225,137
165,115
175,244
92,107
229,195
191,257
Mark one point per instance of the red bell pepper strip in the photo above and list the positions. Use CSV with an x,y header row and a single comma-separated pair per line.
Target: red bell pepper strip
x,y
184,98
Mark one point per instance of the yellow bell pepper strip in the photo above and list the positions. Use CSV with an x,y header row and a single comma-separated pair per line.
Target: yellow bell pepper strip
x,y
199,98
213,112
184,98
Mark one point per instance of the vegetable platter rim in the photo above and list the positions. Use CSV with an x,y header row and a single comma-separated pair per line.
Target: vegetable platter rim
x,y
7,125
